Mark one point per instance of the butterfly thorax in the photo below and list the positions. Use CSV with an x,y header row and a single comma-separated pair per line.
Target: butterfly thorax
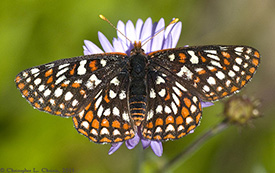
x,y
137,90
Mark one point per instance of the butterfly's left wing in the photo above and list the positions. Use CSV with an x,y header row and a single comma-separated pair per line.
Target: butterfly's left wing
x,y
210,72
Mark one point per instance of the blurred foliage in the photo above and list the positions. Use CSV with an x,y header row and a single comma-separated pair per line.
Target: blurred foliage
x,y
34,32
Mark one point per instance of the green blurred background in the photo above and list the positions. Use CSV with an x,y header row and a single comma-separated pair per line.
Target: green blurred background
x,y
34,32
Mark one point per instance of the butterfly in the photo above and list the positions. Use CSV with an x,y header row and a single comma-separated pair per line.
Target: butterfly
x,y
111,95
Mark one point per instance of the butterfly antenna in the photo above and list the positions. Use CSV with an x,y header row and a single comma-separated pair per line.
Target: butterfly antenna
x,y
105,19
172,22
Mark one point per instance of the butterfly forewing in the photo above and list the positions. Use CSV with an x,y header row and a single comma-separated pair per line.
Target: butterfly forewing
x,y
172,111
65,86
210,72
106,119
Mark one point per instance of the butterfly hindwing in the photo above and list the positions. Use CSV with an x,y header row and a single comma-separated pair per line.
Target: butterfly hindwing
x,y
210,72
106,119
172,111
64,87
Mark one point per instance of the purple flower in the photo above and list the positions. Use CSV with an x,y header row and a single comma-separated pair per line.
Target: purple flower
x,y
141,32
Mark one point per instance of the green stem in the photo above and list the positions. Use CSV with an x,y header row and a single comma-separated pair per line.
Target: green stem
x,y
193,147
140,159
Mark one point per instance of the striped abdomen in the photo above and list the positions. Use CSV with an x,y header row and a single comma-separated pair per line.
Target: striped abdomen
x,y
137,94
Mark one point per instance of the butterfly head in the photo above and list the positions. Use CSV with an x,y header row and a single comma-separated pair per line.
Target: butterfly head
x,y
137,48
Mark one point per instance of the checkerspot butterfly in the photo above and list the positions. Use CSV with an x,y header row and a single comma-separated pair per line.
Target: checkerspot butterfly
x,y
109,95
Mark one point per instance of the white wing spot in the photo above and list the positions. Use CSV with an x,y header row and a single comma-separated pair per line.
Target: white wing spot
x,y
85,124
62,71
158,130
159,109
150,115
220,75
34,70
227,83
25,74
170,127
58,92
215,63
107,112
206,88
162,92
189,120
185,71
193,108
100,111
180,128
47,93
174,108
115,81
171,57
194,59
152,93
160,80
231,73
122,95
125,116
167,110
238,60
211,80
52,101
211,51
112,94
176,99
236,68
116,132
68,96
74,103
104,130
180,86
116,111
215,57
41,88
62,66
98,102
37,81
92,82
60,79
94,132
81,70
28,79
103,62
239,49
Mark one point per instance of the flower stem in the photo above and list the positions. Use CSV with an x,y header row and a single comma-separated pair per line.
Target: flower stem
x,y
193,147
140,159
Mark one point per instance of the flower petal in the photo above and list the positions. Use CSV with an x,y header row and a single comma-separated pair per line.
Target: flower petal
x,y
145,143
146,33
122,29
176,33
157,148
130,32
106,45
206,104
131,143
157,41
118,45
139,26
91,48
114,147
167,42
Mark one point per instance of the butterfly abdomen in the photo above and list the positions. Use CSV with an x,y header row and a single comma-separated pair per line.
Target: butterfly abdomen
x,y
137,90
